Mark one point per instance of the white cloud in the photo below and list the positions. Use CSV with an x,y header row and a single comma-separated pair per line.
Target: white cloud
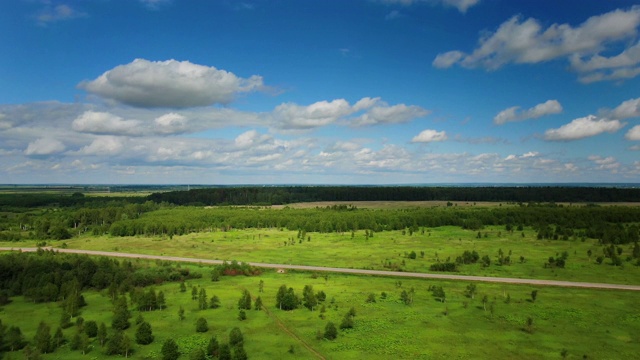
x,y
528,42
448,59
628,109
395,114
427,136
323,113
250,139
461,5
44,146
549,107
170,123
633,134
154,4
50,14
103,146
582,128
608,163
95,122
170,83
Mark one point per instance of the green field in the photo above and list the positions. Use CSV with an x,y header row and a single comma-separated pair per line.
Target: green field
x,y
599,324
577,323
340,250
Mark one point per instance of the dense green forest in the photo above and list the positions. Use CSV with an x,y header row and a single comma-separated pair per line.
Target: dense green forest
x,y
60,217
294,194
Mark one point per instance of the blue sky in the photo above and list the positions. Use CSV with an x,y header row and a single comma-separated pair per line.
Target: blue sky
x,y
319,92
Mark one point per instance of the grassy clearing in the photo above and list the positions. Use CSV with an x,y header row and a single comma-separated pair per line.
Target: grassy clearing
x,y
600,324
341,250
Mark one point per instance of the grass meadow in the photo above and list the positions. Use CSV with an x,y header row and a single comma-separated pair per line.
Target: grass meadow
x,y
596,323
341,250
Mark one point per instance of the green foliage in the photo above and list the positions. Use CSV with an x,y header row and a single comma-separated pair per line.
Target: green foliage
x,y
42,339
121,314
225,352
144,334
197,354
202,299
258,303
330,331
235,337
91,328
286,298
309,297
201,325
244,303
214,303
102,334
213,347
170,350
443,266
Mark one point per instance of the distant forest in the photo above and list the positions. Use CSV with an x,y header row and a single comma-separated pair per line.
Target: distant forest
x,y
295,194
282,195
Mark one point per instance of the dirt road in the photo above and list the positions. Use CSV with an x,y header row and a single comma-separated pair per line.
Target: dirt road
x,y
352,271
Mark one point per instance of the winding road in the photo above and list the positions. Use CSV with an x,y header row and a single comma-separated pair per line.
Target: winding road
x,y
537,282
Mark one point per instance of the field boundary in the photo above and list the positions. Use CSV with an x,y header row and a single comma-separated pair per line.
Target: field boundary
x,y
536,282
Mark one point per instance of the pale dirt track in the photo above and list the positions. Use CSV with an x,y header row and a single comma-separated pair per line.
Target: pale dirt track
x,y
350,271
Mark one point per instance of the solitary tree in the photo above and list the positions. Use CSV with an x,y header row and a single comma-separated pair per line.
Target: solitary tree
x,y
121,314
201,325
214,303
181,313
170,350
42,339
225,352
202,299
102,334
534,295
144,334
91,328
529,324
14,338
58,338
244,303
471,290
235,337
330,331
213,348
258,303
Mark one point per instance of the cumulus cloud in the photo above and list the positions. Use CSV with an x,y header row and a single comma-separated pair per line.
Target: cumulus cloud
x,y
549,107
105,123
170,123
628,109
323,113
582,128
50,14
385,114
461,5
44,146
633,134
527,41
427,136
171,83
609,163
250,139
103,146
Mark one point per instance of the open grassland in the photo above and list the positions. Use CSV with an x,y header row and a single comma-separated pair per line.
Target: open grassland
x,y
386,250
599,324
